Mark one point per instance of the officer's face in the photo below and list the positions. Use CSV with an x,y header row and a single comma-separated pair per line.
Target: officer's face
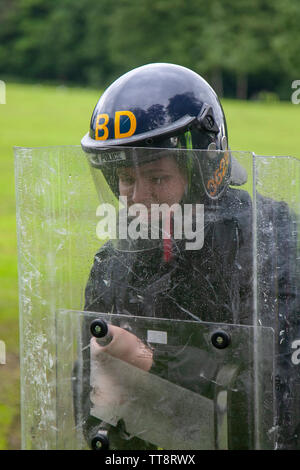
x,y
158,182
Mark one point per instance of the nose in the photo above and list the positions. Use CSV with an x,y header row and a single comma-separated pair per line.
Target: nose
x,y
141,192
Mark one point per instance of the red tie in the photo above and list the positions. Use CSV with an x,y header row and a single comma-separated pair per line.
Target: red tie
x,y
167,241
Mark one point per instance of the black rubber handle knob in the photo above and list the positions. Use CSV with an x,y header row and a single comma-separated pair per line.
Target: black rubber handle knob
x,y
220,339
99,328
100,441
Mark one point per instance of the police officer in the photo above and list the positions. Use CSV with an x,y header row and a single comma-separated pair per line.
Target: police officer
x,y
142,135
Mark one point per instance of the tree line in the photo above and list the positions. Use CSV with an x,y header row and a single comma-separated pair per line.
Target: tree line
x,y
244,48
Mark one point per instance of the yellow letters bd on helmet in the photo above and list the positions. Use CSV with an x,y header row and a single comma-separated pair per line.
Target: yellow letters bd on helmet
x,y
102,120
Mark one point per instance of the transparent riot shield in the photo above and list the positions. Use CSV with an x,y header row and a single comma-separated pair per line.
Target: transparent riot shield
x,y
197,263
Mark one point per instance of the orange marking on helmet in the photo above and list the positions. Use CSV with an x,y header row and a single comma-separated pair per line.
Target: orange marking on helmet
x,y
212,184
132,118
212,187
101,127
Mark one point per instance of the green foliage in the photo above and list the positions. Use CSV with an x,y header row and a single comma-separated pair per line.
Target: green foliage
x,y
240,47
286,38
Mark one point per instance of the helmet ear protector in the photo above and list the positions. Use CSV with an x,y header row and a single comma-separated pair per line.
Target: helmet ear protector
x,y
206,120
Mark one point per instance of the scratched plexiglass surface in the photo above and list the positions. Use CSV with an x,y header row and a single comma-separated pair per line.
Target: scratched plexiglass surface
x,y
56,205
196,396
241,283
277,283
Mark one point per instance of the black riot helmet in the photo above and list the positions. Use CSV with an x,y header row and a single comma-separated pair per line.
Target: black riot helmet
x,y
164,106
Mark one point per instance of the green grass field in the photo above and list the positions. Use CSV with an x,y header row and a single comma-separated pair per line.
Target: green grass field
x,y
41,116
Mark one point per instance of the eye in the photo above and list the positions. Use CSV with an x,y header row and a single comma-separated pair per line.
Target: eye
x,y
126,180
156,179
159,179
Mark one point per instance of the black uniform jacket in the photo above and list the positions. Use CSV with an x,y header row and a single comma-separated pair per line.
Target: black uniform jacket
x,y
214,284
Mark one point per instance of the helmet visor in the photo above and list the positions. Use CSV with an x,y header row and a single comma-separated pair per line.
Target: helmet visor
x,y
149,195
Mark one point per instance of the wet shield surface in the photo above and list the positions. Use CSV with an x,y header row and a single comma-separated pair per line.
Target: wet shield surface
x,y
178,249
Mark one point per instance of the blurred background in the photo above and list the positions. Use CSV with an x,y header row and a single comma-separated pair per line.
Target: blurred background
x,y
245,49
57,56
